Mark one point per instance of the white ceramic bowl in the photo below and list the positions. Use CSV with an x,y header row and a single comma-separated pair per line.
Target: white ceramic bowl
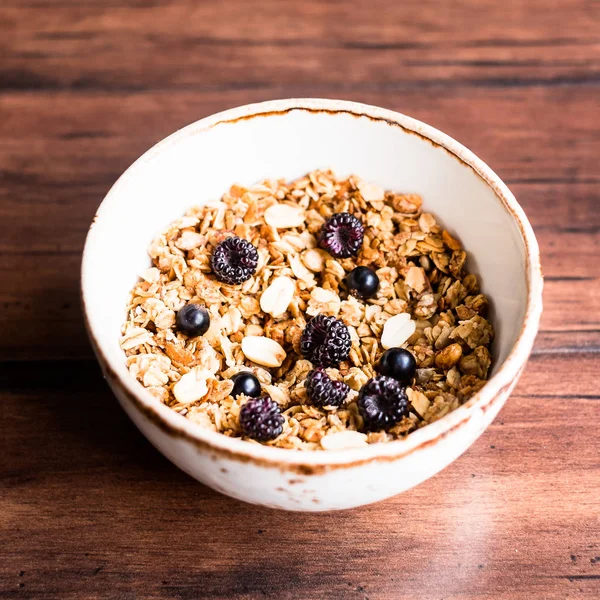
x,y
287,138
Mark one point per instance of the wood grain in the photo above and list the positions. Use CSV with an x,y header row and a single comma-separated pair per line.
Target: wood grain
x,y
88,509
86,512
335,44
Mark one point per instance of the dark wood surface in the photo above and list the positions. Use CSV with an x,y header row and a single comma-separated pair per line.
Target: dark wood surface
x,y
88,509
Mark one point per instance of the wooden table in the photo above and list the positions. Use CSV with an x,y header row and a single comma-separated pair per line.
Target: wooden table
x,y
88,509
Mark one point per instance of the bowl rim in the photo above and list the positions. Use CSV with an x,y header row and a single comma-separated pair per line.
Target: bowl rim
x,y
177,426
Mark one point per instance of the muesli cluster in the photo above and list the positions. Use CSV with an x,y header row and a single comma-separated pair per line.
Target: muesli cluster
x,y
318,314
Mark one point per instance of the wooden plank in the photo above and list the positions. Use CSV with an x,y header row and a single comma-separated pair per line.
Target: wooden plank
x,y
97,136
252,44
89,506
581,298
570,206
41,314
570,341
263,21
553,375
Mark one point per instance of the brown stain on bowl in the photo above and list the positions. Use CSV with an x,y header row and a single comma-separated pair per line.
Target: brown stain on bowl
x,y
327,111
95,218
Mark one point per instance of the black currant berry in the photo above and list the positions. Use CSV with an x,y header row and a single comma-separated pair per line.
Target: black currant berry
x,y
363,282
245,383
398,363
193,319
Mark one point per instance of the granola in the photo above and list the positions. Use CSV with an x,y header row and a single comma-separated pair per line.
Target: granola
x,y
426,302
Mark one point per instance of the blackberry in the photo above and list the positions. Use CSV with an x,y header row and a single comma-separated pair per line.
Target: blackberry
x,y
234,260
325,341
324,391
261,419
342,235
382,402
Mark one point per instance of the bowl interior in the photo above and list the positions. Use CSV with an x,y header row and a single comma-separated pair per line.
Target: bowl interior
x,y
199,163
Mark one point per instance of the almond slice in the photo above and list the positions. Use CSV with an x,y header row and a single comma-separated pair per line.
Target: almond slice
x,y
344,439
151,275
192,386
314,260
324,296
277,394
299,270
263,351
418,401
371,192
397,330
136,336
416,279
284,216
277,297
189,240
231,321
